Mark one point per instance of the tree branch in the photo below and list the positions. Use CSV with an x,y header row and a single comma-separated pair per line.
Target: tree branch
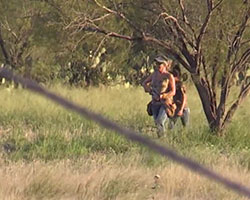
x,y
203,29
4,51
217,5
200,37
169,50
235,44
210,91
181,36
121,15
240,64
112,34
243,94
179,29
225,89
184,17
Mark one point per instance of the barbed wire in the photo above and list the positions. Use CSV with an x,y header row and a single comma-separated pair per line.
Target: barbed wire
x,y
127,133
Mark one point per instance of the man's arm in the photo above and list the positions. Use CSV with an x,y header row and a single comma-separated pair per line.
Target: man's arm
x,y
172,88
183,102
146,84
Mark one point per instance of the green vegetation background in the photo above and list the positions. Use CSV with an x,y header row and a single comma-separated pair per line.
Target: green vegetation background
x,y
32,127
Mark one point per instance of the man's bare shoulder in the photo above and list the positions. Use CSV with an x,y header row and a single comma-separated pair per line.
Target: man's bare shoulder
x,y
168,75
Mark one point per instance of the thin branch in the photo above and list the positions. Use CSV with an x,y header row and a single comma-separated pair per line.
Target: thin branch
x,y
179,29
225,86
111,34
121,15
79,41
181,36
100,44
243,94
6,26
101,17
217,5
206,73
225,89
244,58
3,48
211,92
202,32
235,44
58,9
209,5
184,17
215,62
169,50
244,42
81,22
203,29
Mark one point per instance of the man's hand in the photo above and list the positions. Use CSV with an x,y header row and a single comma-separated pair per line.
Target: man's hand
x,y
147,89
180,113
164,96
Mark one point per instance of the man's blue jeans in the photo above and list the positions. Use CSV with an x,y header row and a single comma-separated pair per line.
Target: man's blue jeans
x,y
160,117
184,119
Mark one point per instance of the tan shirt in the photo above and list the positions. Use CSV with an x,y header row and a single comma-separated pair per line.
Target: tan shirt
x,y
159,84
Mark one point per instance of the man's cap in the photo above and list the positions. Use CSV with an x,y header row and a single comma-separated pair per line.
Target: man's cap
x,y
160,59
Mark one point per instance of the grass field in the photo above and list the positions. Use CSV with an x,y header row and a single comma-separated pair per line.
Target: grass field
x,y
48,152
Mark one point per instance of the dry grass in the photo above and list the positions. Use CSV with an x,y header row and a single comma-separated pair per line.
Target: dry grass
x,y
96,177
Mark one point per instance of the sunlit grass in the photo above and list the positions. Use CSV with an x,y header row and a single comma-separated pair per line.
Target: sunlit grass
x,y
98,176
36,130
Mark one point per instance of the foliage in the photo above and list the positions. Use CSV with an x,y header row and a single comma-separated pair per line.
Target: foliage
x,y
213,48
34,128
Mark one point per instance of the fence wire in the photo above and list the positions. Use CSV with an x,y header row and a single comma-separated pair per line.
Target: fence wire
x,y
129,134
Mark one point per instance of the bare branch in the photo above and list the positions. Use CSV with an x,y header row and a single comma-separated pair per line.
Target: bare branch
x,y
3,48
244,42
183,39
169,50
183,12
82,21
79,41
225,88
184,17
6,26
244,58
57,8
235,44
100,44
209,5
217,5
101,17
205,24
121,15
229,74
180,30
202,32
245,90
111,34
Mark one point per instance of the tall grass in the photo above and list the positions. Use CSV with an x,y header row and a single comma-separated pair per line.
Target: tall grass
x,y
41,141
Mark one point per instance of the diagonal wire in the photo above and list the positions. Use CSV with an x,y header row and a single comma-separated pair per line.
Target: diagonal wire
x,y
129,134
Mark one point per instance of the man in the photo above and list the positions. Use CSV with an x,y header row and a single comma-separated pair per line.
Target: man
x,y
180,100
161,86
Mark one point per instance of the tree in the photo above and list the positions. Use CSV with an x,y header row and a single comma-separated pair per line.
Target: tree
x,y
206,37
14,40
27,40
